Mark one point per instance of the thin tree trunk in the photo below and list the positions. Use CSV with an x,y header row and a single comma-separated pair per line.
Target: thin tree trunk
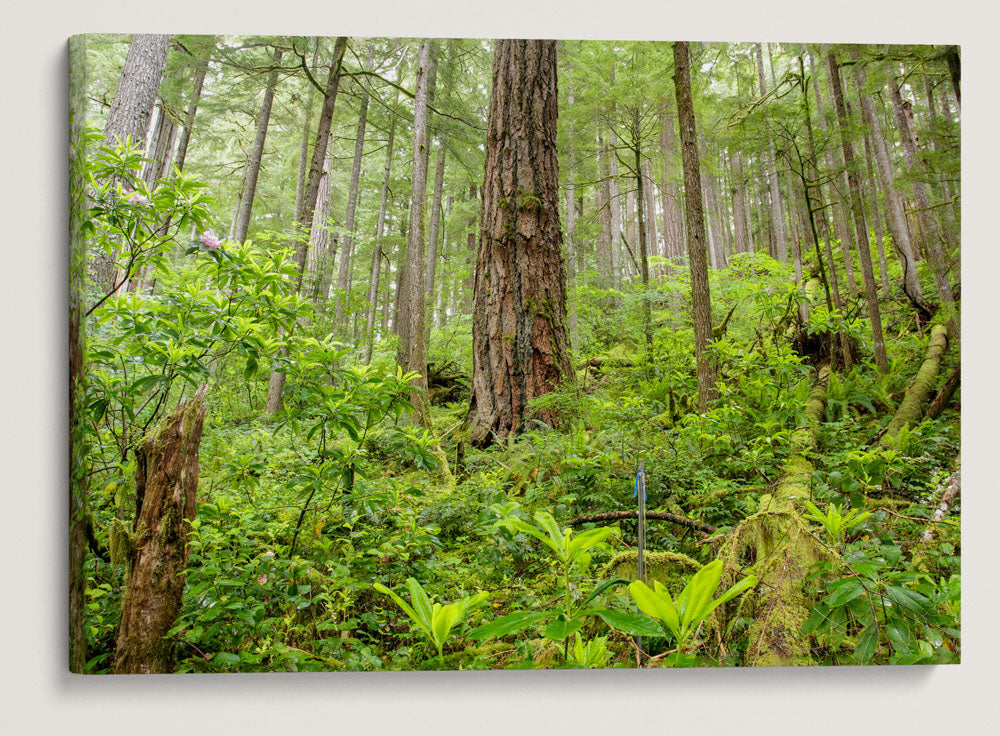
x,y
346,253
777,215
377,247
876,217
857,208
894,203
700,298
936,246
412,353
304,215
256,154
435,229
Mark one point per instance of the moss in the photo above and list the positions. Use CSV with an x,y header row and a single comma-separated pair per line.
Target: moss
x,y
670,568
910,410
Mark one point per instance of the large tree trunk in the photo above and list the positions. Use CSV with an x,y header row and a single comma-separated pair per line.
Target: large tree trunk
x,y
894,203
131,110
411,315
700,298
857,209
322,242
256,154
673,222
520,341
167,485
876,218
305,212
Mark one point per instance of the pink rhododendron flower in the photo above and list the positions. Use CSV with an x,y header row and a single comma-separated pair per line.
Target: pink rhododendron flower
x,y
137,198
210,240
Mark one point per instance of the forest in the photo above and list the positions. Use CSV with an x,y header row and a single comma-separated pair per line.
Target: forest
x,y
415,354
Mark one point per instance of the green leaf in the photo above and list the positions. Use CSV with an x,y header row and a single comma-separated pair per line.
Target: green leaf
x,y
442,621
561,628
587,539
696,597
547,523
634,624
845,593
867,643
655,605
406,608
506,625
604,586
418,598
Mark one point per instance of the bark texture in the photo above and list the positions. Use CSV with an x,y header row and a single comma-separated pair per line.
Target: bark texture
x,y
520,339
700,298
167,485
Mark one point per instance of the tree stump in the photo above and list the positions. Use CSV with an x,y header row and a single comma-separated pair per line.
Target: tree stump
x,y
167,484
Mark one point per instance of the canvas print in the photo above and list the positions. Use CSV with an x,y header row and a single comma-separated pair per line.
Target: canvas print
x,y
414,354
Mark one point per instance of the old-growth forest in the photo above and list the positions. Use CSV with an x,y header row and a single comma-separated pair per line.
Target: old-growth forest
x,y
507,354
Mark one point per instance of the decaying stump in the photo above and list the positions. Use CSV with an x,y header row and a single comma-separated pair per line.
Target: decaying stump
x,y
167,484
778,548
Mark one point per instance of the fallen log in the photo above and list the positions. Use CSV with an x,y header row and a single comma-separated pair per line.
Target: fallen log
x,y
948,498
699,526
910,410
776,545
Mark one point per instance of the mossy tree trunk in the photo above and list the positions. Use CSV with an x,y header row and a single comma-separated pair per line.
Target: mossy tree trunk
x,y
910,410
167,485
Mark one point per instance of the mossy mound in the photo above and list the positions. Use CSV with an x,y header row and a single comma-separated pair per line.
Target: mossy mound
x,y
670,568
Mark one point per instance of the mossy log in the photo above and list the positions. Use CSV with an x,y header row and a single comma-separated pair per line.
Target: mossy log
x,y
910,410
670,568
167,484
776,544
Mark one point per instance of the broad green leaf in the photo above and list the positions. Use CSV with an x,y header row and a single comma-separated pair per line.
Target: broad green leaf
x,y
586,540
604,586
443,620
520,526
505,625
695,599
660,607
745,584
634,624
845,593
547,523
418,598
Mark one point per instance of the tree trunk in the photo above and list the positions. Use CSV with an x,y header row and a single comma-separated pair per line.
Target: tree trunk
x,y
167,485
322,242
777,215
643,254
876,218
520,341
936,246
256,154
700,298
78,447
343,275
649,195
305,213
435,229
739,204
192,110
131,110
894,203
377,247
673,223
857,209
412,353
